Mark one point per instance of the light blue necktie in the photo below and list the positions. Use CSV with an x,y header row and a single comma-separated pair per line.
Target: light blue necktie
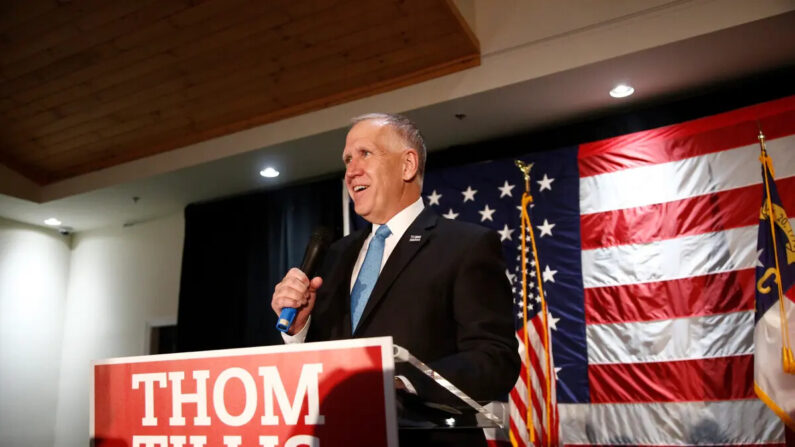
x,y
368,274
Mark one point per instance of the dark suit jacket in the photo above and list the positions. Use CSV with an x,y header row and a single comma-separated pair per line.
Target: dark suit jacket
x,y
442,294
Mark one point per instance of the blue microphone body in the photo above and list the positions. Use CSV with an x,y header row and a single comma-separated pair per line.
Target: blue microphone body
x,y
286,318
315,250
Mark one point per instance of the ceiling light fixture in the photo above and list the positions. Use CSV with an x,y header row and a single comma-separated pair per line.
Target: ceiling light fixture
x,y
622,91
269,172
53,222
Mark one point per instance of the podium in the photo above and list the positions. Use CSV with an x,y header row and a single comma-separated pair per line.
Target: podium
x,y
416,413
338,393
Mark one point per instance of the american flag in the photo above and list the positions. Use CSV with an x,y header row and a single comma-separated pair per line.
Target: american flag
x,y
647,245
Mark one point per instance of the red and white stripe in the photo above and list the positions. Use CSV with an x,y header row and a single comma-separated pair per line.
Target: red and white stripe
x,y
538,373
669,222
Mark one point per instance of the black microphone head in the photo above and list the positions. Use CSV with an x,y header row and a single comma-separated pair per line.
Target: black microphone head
x,y
322,235
316,249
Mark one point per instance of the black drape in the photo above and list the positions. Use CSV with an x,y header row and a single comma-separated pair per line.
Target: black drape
x,y
236,250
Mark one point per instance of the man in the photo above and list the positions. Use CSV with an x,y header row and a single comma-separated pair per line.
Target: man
x,y
441,291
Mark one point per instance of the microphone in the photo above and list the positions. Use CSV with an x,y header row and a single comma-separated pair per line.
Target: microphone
x,y
313,256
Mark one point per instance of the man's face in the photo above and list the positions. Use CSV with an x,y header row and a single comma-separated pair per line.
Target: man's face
x,y
375,171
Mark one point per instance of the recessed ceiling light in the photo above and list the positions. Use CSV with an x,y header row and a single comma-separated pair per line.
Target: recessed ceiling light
x,y
269,172
53,222
622,91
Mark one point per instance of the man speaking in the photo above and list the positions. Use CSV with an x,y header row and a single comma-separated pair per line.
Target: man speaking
x,y
437,286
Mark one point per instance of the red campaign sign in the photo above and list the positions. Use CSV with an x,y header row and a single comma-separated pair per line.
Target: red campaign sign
x,y
331,394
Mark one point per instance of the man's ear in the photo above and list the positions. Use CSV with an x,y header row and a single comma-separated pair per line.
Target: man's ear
x,y
410,164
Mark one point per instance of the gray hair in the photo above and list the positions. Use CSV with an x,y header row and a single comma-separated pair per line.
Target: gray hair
x,y
406,129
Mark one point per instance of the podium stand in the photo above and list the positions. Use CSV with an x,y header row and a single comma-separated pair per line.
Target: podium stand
x,y
339,393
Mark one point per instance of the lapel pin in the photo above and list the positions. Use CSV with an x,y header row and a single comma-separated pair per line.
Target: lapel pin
x,y
415,238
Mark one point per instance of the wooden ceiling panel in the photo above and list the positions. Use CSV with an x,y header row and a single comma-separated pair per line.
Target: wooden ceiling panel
x,y
91,84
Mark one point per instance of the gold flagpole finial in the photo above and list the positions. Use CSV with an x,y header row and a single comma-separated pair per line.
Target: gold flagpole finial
x,y
525,168
764,158
761,138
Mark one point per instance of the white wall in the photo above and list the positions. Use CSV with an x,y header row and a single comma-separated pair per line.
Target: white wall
x,y
120,278
62,307
34,266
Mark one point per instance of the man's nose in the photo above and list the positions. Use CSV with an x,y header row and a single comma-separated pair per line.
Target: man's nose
x,y
352,169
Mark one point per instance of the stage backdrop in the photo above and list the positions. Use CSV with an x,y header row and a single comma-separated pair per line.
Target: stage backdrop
x,y
647,257
648,250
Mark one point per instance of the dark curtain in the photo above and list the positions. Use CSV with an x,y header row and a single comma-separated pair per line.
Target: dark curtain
x,y
236,250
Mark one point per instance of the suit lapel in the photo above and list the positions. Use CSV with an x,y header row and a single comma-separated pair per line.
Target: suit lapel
x,y
404,251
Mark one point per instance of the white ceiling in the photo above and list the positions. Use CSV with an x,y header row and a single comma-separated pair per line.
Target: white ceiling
x,y
542,63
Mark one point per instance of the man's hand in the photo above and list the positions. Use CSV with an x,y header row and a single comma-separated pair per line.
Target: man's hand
x,y
297,291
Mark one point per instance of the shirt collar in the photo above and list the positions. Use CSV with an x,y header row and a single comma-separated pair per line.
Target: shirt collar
x,y
400,222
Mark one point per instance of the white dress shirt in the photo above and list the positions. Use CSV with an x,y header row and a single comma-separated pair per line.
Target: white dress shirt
x,y
398,225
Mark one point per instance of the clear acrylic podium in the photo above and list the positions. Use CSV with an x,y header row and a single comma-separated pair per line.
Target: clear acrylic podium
x,y
414,412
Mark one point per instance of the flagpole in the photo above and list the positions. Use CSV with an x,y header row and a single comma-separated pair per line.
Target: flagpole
x,y
527,227
525,337
787,360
